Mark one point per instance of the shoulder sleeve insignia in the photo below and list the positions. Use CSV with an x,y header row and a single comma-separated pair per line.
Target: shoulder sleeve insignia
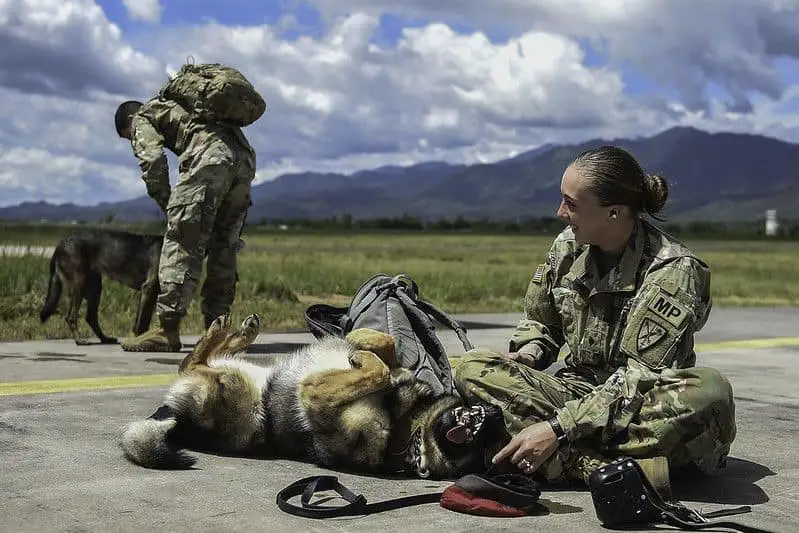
x,y
649,334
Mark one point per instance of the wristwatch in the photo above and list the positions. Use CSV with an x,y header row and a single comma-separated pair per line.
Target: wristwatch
x,y
557,428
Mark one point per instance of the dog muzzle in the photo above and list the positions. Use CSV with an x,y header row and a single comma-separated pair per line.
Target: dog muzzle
x,y
624,498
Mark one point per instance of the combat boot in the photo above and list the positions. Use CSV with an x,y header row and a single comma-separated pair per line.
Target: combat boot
x,y
164,338
656,470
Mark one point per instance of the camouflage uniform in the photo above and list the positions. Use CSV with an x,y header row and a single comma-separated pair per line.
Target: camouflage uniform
x,y
205,211
629,385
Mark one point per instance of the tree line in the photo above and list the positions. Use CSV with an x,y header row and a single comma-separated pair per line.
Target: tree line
x,y
789,229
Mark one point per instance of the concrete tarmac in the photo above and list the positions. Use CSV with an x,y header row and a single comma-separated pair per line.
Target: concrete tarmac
x,y
62,407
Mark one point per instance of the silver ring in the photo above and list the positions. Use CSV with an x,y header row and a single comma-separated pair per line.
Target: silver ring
x,y
524,464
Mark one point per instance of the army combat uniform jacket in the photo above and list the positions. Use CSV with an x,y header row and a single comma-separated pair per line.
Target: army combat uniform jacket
x,y
163,124
645,309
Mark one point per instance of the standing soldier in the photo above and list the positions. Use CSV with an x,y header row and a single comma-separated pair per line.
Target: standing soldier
x,y
198,115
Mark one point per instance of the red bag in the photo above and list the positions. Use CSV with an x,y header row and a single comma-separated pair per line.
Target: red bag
x,y
503,495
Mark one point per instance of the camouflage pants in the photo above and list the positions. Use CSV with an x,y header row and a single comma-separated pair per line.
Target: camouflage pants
x,y
686,415
206,213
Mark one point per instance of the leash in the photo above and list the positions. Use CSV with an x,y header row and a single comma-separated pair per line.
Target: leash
x,y
678,515
507,492
357,503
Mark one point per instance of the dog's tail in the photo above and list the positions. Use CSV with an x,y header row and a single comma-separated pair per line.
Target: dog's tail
x,y
53,292
150,443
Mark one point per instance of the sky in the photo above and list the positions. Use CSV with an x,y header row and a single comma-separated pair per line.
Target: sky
x,y
357,84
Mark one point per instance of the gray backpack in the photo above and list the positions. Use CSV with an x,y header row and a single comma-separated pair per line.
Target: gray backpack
x,y
391,304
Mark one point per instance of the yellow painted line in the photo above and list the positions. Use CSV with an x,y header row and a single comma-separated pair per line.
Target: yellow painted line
x,y
775,342
84,384
151,380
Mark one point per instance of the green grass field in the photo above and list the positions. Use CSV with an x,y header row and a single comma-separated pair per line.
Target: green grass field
x,y
284,272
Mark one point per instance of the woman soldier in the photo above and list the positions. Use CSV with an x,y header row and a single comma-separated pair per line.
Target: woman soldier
x,y
626,299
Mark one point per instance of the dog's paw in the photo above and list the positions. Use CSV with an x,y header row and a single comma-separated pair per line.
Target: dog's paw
x,y
250,328
219,325
251,322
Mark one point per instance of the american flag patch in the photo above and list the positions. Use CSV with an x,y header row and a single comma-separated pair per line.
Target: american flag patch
x,y
538,277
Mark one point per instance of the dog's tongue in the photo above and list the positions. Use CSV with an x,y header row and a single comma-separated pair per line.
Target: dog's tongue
x,y
458,434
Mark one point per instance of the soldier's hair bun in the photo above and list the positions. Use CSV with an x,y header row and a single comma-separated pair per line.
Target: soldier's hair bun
x,y
656,193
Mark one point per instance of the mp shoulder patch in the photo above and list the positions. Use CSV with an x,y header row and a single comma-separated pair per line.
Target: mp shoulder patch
x,y
669,309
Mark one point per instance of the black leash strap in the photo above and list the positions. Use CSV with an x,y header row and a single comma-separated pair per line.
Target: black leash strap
x,y
357,505
689,519
681,516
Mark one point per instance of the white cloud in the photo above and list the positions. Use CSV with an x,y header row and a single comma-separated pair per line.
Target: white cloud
x,y
348,98
682,44
343,94
34,173
146,10
68,48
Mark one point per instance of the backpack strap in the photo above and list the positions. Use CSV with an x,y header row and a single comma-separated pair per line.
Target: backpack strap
x,y
404,279
446,320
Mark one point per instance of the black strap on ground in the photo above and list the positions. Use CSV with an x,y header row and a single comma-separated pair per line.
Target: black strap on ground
x,y
704,520
678,515
358,506
357,503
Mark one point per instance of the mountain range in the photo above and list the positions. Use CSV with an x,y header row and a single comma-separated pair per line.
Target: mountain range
x,y
712,177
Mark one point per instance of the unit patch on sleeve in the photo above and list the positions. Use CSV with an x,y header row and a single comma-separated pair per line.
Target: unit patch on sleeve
x,y
649,334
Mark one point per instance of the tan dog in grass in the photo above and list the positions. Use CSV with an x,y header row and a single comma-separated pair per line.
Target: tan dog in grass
x,y
336,402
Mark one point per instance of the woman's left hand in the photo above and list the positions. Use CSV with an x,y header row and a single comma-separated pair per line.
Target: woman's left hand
x,y
529,448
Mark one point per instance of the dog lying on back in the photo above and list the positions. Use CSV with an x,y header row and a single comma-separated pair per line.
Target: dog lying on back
x,y
337,403
79,263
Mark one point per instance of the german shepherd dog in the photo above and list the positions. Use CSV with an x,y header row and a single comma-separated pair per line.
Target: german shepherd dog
x,y
337,402
84,256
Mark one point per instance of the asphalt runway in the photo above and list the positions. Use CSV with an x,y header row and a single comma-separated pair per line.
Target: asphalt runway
x,y
62,407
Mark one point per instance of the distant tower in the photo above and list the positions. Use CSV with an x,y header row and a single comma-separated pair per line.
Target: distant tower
x,y
772,225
